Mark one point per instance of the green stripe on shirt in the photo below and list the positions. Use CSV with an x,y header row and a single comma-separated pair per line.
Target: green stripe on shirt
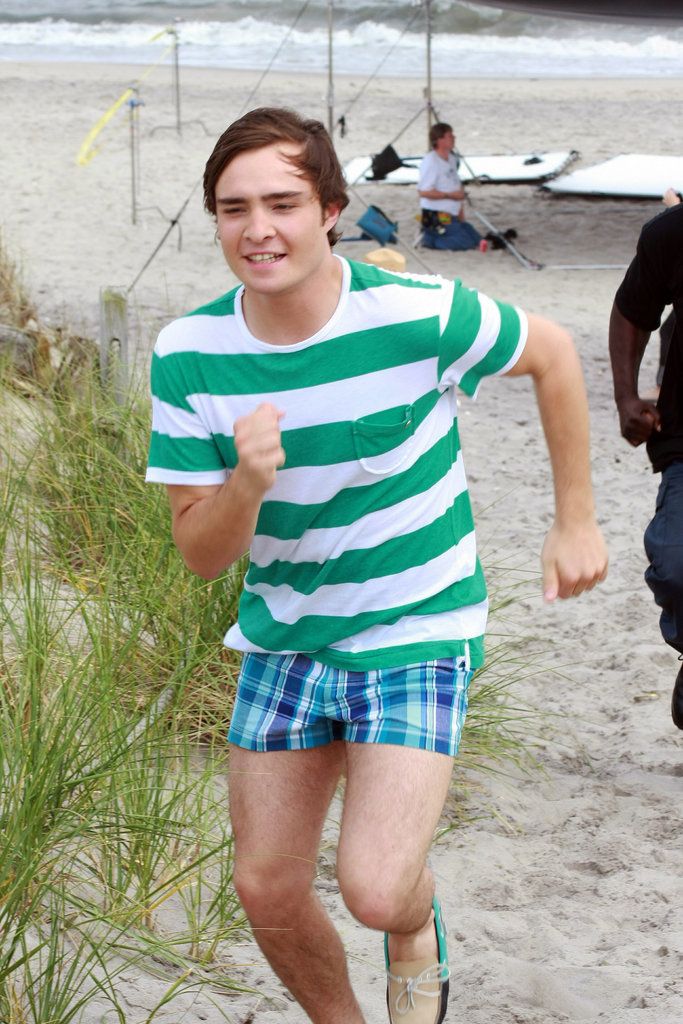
x,y
287,520
184,454
315,632
337,359
366,276
360,565
499,354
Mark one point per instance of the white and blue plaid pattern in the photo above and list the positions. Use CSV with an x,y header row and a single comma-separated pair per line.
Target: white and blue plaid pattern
x,y
290,702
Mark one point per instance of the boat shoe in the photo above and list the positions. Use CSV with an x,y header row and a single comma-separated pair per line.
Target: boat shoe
x,y
417,990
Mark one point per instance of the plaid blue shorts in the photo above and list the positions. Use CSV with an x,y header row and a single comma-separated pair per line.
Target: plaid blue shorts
x,y
290,702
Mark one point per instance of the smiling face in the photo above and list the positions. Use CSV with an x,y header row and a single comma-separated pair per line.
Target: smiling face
x,y
271,226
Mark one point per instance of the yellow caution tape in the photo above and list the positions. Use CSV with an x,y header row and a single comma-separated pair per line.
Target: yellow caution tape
x,y
87,151
164,31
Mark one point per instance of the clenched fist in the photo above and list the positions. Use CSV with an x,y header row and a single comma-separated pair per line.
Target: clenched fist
x,y
638,418
259,447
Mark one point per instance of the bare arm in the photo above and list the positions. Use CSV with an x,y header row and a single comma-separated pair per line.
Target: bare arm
x,y
638,417
214,526
574,556
435,193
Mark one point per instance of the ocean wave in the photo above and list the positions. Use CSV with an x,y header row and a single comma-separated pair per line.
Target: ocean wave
x,y
448,15
250,42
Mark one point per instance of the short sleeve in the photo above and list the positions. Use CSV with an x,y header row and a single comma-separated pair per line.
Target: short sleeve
x,y
480,337
182,449
428,174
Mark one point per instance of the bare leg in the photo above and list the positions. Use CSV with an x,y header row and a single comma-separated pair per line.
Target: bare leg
x,y
278,803
394,797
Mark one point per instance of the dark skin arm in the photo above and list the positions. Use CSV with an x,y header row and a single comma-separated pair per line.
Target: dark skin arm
x,y
638,417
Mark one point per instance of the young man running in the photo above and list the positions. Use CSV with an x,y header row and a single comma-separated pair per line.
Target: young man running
x,y
309,417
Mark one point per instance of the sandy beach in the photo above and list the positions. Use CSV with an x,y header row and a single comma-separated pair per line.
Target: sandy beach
x,y
566,907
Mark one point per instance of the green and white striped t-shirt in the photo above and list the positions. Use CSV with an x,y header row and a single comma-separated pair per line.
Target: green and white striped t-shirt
x,y
364,554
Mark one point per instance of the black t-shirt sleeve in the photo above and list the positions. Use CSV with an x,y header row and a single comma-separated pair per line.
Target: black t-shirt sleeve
x,y
646,288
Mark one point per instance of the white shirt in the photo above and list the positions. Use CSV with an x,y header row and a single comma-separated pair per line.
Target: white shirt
x,y
440,174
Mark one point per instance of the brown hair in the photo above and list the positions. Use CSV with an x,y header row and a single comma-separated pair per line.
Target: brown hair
x,y
266,126
437,131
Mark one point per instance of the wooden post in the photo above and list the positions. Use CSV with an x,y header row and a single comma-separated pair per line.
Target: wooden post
x,y
114,342
18,348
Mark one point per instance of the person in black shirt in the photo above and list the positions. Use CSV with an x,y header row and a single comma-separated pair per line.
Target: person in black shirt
x,y
654,280
670,198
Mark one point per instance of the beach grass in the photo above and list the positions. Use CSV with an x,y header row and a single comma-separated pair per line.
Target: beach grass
x,y
114,841
115,695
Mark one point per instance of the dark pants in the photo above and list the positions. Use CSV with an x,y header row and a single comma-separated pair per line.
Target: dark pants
x,y
664,549
459,235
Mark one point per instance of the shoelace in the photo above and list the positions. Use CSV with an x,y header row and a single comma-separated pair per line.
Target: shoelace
x,y
405,1000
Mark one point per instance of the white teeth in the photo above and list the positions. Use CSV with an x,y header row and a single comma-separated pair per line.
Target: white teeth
x,y
264,257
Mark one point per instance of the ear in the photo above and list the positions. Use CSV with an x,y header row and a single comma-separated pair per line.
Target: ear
x,y
331,215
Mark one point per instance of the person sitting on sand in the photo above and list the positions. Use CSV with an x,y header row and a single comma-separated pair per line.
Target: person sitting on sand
x,y
309,416
441,196
653,280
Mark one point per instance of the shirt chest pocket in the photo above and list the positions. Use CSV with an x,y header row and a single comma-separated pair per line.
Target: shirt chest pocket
x,y
384,441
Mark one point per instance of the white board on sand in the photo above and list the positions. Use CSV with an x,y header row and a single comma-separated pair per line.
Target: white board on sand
x,y
517,168
636,175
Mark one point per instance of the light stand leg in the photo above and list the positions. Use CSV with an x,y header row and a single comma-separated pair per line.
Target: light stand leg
x,y
133,167
176,79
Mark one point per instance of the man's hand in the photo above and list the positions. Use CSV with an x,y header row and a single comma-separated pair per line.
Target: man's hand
x,y
638,418
671,197
214,525
574,559
259,448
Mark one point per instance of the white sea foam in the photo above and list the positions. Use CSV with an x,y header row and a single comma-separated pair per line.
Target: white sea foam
x,y
251,43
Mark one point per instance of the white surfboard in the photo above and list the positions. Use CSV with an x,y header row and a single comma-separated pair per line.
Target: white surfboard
x,y
636,175
514,168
